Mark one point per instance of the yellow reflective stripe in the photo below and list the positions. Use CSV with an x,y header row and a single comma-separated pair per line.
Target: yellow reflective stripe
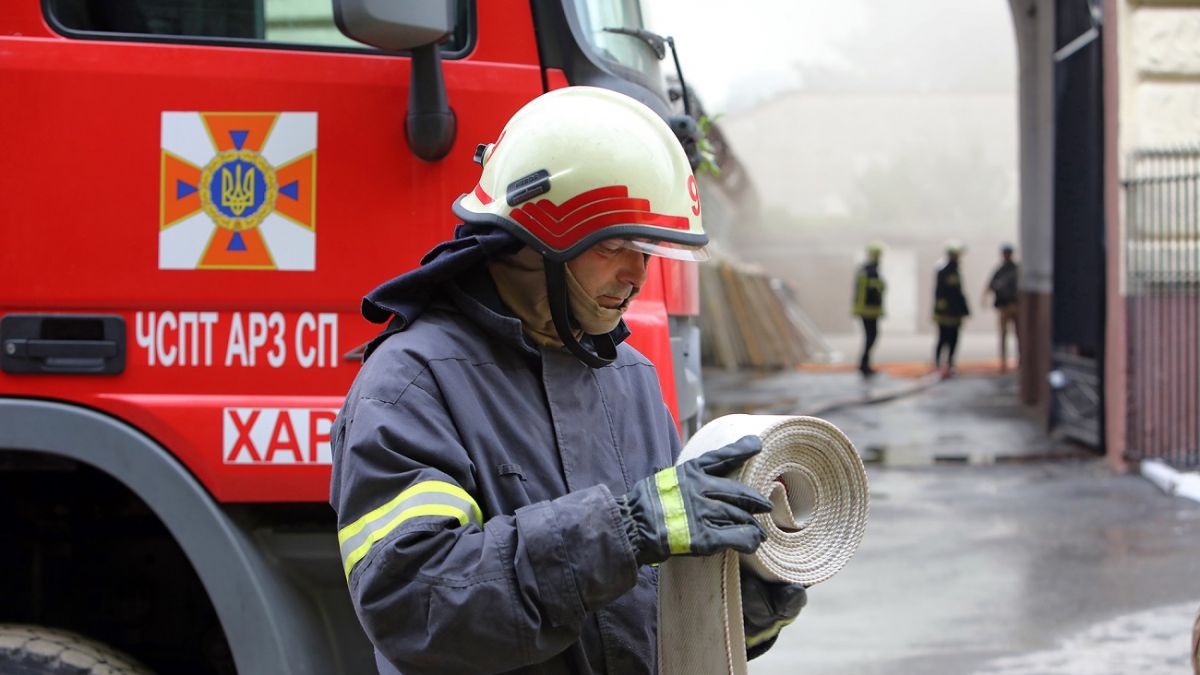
x,y
429,498
420,488
679,536
423,510
860,300
758,638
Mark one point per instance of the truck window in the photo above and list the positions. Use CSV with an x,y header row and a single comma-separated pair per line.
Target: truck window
x,y
290,22
630,52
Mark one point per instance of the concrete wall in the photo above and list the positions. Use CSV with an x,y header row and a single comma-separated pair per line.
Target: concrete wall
x,y
822,272
837,169
1159,66
1033,24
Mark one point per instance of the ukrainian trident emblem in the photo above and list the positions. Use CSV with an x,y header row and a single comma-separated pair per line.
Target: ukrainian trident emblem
x,y
237,194
238,191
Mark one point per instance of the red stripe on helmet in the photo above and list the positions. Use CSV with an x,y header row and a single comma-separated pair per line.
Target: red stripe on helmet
x,y
482,196
583,199
562,226
526,221
547,222
634,218
603,206
604,220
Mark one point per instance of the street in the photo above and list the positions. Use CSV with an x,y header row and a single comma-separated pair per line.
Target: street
x,y
990,548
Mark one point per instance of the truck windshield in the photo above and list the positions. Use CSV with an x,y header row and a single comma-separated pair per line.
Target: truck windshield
x,y
626,50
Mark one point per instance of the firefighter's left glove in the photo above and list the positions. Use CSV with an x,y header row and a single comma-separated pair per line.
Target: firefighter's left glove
x,y
691,509
766,608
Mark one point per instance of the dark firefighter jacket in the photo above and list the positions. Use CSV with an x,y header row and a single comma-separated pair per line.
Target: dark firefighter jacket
x,y
474,480
949,303
868,292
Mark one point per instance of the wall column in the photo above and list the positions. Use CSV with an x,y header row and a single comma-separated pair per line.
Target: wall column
x,y
1033,24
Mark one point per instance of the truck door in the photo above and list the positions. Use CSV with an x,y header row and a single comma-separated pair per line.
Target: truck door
x,y
227,178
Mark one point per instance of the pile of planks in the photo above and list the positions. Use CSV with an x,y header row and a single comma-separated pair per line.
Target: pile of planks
x,y
751,320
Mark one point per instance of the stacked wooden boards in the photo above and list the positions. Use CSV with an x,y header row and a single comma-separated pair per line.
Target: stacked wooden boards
x,y
750,319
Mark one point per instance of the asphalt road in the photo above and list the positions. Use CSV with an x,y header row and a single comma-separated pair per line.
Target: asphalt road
x,y
1026,566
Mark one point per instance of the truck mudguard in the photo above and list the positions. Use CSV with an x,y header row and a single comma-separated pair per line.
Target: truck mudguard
x,y
278,629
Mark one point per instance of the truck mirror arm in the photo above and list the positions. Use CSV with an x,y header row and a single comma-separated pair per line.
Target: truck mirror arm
x,y
430,125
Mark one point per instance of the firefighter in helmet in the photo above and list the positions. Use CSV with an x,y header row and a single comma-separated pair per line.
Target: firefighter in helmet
x,y
498,465
868,303
949,307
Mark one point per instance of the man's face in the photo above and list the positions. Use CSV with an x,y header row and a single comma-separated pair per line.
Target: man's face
x,y
610,273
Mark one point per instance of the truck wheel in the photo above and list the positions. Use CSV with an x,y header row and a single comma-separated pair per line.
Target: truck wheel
x,y
37,650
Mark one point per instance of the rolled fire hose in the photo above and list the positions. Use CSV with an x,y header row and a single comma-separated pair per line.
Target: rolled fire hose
x,y
816,482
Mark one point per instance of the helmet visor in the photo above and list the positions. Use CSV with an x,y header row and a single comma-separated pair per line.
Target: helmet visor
x,y
667,249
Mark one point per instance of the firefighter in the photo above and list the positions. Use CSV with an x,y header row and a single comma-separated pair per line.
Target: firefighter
x,y
1003,287
868,303
949,307
502,466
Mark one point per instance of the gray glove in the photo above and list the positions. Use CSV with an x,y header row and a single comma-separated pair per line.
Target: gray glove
x,y
690,509
766,608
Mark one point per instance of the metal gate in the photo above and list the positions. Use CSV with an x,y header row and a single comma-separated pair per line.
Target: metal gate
x,y
1079,300
1162,281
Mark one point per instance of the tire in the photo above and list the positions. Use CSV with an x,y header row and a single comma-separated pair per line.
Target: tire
x,y
37,650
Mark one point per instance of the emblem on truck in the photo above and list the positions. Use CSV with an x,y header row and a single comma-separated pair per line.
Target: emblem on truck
x,y
238,191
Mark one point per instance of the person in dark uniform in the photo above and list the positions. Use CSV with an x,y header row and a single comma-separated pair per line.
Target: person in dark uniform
x,y
1003,287
868,303
949,308
504,464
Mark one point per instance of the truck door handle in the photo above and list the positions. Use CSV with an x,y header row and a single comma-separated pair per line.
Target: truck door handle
x,y
60,349
62,344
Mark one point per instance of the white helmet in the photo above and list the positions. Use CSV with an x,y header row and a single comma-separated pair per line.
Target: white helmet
x,y
581,164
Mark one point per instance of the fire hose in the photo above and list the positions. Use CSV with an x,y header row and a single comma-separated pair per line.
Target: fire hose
x,y
817,485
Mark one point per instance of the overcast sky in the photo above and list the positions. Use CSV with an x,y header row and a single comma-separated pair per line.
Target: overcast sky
x,y
735,54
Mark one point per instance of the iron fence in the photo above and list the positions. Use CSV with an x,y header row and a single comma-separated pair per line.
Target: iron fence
x,y
1162,284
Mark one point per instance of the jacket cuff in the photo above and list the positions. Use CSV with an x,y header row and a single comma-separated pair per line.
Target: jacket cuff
x,y
760,648
579,553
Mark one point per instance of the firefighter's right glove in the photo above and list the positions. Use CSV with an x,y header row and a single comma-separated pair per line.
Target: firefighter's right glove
x,y
691,509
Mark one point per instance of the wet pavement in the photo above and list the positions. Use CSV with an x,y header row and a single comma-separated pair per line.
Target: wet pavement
x,y
990,548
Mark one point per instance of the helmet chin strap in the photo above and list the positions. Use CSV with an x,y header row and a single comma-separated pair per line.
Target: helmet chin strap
x,y
556,288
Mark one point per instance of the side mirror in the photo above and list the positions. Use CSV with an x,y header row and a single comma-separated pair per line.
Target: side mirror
x,y
394,26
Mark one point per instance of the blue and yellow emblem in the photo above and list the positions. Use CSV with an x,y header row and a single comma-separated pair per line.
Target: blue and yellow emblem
x,y
238,191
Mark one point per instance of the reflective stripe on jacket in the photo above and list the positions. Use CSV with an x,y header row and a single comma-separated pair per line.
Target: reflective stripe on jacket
x,y
474,481
868,292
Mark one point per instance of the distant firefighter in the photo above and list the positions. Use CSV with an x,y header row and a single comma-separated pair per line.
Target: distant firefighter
x,y
1003,287
949,307
868,303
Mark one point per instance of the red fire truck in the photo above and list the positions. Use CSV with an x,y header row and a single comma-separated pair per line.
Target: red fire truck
x,y
197,193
